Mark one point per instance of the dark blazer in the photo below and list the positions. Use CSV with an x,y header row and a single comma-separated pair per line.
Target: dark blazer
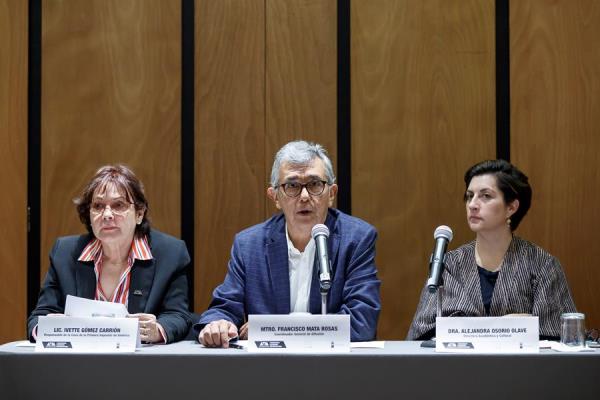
x,y
531,281
158,286
257,280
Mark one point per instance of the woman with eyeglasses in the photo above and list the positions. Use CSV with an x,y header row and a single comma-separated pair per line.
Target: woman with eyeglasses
x,y
498,273
121,259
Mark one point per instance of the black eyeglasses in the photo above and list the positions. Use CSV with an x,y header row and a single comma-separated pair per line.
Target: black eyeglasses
x,y
293,189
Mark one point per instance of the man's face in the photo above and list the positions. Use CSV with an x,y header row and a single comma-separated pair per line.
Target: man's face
x,y
305,210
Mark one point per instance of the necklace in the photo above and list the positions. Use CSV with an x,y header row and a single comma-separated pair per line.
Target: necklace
x,y
496,266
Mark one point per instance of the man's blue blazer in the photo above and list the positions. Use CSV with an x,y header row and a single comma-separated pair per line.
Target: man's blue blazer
x,y
257,281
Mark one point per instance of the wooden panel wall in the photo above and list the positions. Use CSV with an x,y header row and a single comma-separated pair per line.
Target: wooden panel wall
x,y
13,179
555,103
111,87
423,111
301,76
266,74
230,135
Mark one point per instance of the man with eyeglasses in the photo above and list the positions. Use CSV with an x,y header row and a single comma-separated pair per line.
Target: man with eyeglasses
x,y
272,265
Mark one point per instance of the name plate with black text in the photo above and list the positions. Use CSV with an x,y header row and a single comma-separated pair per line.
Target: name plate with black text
x,y
299,333
487,335
87,334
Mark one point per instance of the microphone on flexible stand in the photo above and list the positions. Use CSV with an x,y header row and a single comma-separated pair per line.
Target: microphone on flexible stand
x,y
320,233
442,235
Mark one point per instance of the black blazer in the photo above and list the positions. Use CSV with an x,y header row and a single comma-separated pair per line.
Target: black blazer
x,y
158,286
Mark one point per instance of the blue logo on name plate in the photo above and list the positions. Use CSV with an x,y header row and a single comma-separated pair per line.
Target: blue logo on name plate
x,y
270,344
57,345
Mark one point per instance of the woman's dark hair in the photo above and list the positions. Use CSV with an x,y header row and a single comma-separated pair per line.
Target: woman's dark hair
x,y
513,184
124,181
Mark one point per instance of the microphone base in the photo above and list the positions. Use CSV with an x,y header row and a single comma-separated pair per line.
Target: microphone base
x,y
429,343
324,303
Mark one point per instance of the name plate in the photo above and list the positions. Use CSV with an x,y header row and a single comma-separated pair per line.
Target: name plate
x,y
487,335
87,335
304,333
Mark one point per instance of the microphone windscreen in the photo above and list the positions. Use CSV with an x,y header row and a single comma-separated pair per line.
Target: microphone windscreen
x,y
442,231
319,229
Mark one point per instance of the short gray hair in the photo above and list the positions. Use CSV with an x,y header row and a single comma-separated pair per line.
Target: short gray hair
x,y
300,152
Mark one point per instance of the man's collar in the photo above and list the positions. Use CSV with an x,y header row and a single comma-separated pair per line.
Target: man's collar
x,y
292,249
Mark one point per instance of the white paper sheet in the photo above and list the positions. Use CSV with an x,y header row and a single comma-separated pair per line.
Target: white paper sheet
x,y
557,346
80,307
25,343
376,344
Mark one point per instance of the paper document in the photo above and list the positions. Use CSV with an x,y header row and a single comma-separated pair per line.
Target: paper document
x,y
233,344
376,344
563,348
25,343
80,307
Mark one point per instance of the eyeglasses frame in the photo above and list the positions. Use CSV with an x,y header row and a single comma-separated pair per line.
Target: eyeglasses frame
x,y
302,187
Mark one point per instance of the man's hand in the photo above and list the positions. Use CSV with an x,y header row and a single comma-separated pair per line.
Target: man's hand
x,y
218,333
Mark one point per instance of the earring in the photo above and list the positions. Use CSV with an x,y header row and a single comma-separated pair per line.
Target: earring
x,y
508,221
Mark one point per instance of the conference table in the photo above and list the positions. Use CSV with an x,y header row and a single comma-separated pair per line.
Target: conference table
x,y
400,370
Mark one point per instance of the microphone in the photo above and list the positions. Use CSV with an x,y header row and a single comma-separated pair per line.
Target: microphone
x,y
442,236
320,233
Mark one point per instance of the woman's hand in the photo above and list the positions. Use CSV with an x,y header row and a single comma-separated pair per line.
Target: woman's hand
x,y
150,330
244,332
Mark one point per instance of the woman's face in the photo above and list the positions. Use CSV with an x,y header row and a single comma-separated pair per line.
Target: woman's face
x,y
486,209
113,217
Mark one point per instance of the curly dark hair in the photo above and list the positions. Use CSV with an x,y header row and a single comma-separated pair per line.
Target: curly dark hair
x,y
124,181
513,184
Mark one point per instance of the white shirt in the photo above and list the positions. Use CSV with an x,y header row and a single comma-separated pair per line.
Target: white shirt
x,y
301,270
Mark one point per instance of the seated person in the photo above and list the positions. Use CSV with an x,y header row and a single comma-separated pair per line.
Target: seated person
x,y
498,273
272,269
121,260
